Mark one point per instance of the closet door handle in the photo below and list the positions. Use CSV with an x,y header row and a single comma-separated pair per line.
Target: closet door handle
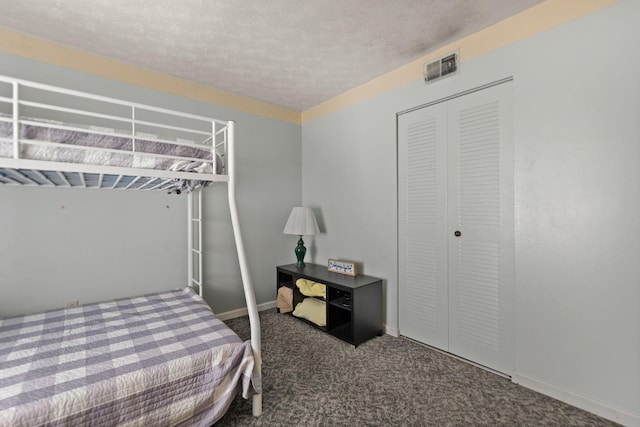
x,y
457,233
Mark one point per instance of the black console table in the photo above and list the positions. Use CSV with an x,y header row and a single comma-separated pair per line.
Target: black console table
x,y
354,304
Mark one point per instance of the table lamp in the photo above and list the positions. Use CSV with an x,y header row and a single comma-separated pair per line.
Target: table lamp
x,y
301,222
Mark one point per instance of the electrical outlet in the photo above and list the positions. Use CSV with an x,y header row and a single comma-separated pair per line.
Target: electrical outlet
x,y
71,304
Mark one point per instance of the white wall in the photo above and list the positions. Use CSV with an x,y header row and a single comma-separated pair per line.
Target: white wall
x,y
66,245
109,244
577,201
578,208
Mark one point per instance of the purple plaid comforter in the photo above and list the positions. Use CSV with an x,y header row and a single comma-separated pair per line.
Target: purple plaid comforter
x,y
156,360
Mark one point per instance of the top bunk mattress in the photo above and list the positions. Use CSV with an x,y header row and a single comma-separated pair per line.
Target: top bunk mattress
x,y
48,140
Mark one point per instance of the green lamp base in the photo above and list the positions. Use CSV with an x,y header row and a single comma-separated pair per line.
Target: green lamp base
x,y
300,252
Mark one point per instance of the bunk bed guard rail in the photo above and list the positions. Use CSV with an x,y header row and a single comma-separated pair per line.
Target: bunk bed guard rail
x,y
51,136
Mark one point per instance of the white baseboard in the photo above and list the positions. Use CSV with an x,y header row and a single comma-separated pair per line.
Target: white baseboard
x,y
243,311
618,415
394,332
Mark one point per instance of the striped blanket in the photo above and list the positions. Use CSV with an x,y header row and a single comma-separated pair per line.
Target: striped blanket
x,y
156,360
88,148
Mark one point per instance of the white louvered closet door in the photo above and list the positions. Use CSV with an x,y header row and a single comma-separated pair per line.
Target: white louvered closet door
x,y
480,188
473,304
422,248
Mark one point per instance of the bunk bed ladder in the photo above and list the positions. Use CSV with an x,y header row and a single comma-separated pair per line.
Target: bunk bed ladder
x,y
195,240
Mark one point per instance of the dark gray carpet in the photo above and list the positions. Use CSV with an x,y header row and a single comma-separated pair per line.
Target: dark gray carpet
x,y
313,379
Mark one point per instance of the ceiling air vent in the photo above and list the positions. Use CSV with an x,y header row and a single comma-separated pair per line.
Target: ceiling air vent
x,y
444,66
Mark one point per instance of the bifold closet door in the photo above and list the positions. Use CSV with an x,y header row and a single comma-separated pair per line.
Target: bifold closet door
x,y
422,225
455,231
480,232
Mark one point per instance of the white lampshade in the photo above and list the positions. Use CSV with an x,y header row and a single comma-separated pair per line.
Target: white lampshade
x,y
301,222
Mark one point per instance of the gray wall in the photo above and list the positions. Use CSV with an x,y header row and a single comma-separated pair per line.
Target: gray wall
x,y
58,245
577,200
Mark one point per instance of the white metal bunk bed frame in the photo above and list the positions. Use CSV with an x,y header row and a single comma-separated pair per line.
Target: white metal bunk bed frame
x,y
19,171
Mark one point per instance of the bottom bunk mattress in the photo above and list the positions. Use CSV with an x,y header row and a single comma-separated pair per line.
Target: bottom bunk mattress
x,y
156,360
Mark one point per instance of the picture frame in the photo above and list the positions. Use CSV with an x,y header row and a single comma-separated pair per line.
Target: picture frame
x,y
342,267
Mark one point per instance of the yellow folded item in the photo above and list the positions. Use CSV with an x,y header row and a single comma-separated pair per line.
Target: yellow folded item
x,y
311,289
312,309
285,299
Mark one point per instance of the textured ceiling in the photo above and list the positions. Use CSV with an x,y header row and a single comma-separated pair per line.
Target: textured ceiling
x,y
291,53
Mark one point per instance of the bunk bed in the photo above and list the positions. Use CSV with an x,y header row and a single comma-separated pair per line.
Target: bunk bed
x,y
157,359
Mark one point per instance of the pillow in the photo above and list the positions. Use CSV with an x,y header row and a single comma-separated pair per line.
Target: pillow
x,y
312,309
311,289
